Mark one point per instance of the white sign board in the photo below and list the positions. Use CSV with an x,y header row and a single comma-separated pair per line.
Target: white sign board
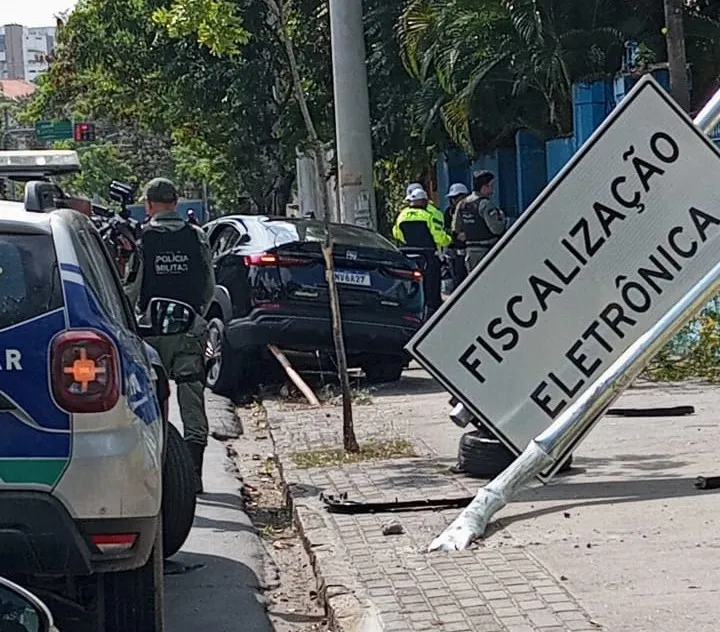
x,y
612,243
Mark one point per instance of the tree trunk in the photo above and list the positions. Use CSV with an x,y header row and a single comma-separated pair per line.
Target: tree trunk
x,y
350,443
677,61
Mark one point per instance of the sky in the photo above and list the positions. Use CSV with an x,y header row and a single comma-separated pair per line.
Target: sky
x,y
32,12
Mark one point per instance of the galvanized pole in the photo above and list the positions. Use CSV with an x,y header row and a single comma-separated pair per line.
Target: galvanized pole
x,y
579,418
352,114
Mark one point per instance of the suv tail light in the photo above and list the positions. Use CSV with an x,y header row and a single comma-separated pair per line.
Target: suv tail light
x,y
84,372
271,259
408,275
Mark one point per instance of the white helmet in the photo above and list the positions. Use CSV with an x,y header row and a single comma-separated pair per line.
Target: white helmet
x,y
413,187
416,195
457,189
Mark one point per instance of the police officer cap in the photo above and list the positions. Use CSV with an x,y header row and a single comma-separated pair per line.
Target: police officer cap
x,y
161,191
416,195
457,189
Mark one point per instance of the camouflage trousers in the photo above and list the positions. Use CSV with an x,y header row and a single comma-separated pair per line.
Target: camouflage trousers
x,y
184,359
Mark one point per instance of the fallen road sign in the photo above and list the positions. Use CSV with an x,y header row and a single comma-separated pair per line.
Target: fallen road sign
x,y
606,250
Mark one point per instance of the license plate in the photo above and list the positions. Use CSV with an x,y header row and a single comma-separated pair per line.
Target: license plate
x,y
349,277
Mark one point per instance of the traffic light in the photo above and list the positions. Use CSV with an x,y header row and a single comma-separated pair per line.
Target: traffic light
x,y
84,132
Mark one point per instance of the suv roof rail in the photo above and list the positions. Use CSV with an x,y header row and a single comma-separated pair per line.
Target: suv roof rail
x,y
38,164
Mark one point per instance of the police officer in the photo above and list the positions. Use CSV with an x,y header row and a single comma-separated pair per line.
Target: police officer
x,y
173,261
478,222
434,210
431,237
192,218
456,251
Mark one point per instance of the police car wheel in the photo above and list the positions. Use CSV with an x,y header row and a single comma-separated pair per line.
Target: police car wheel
x,y
220,368
133,600
482,456
178,495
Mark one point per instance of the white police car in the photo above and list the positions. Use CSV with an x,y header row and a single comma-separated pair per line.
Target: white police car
x,y
84,437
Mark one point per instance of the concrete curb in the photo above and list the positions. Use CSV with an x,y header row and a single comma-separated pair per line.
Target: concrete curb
x,y
347,606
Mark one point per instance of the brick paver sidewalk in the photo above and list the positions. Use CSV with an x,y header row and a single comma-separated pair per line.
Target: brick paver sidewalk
x,y
373,582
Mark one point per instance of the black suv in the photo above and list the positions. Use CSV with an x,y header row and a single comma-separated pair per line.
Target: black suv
x,y
272,289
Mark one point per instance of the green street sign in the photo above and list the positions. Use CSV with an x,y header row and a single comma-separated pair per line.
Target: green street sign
x,y
54,130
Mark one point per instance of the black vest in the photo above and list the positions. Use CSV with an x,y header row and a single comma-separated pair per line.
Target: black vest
x,y
476,229
172,267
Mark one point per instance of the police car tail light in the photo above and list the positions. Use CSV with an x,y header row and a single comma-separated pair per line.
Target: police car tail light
x,y
84,369
271,259
111,543
408,275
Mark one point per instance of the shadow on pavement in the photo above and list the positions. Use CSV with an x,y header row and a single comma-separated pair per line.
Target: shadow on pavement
x,y
409,385
595,494
216,594
219,499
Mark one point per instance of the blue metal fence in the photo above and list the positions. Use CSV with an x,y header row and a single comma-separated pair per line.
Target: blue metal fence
x,y
522,171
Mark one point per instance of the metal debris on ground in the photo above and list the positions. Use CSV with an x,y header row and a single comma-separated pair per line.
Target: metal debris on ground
x,y
341,504
393,528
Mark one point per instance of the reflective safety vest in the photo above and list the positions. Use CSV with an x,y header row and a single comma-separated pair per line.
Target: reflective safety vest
x,y
172,266
432,217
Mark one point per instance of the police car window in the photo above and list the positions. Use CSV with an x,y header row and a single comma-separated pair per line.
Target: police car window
x,y
99,275
29,278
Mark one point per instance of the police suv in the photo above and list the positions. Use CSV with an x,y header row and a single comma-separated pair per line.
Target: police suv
x,y
89,465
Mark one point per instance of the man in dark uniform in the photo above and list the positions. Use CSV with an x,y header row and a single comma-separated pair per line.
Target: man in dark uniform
x,y
456,250
478,222
173,261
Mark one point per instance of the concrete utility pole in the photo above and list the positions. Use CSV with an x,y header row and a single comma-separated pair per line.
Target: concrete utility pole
x,y
677,61
352,114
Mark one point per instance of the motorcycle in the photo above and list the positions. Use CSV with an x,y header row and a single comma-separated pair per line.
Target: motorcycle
x,y
119,232
22,611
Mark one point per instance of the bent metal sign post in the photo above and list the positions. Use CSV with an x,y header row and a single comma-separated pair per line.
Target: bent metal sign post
x,y
613,242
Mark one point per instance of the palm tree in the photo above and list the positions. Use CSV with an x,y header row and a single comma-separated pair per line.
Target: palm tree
x,y
498,65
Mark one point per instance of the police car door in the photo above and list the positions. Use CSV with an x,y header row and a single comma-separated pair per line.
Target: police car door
x,y
102,276
35,435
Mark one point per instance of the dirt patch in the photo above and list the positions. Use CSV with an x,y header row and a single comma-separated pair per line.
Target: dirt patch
x,y
289,582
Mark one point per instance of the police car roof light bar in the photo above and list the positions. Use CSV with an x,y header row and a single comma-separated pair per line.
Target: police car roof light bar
x,y
38,163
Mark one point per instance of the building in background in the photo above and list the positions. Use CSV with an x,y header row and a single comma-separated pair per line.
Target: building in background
x,y
25,52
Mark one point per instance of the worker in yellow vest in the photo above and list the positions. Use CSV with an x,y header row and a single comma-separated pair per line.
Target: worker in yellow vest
x,y
420,229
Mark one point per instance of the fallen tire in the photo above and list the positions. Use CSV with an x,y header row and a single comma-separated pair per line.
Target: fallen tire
x,y
383,371
133,600
482,456
178,494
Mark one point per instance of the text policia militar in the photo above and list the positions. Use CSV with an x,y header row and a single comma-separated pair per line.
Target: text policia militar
x,y
585,239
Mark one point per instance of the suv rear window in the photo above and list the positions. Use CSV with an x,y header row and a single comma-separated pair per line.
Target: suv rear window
x,y
313,231
29,279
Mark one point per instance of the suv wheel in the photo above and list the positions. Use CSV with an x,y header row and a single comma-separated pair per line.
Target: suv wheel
x,y
178,493
133,600
220,365
383,370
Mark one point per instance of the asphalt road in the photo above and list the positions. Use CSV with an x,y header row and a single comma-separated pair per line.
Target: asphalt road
x,y
213,583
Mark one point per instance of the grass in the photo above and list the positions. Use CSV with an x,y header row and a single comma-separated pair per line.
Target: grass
x,y
272,521
369,451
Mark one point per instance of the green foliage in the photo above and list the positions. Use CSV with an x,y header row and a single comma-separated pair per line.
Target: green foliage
x,y
215,23
201,91
102,163
693,353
